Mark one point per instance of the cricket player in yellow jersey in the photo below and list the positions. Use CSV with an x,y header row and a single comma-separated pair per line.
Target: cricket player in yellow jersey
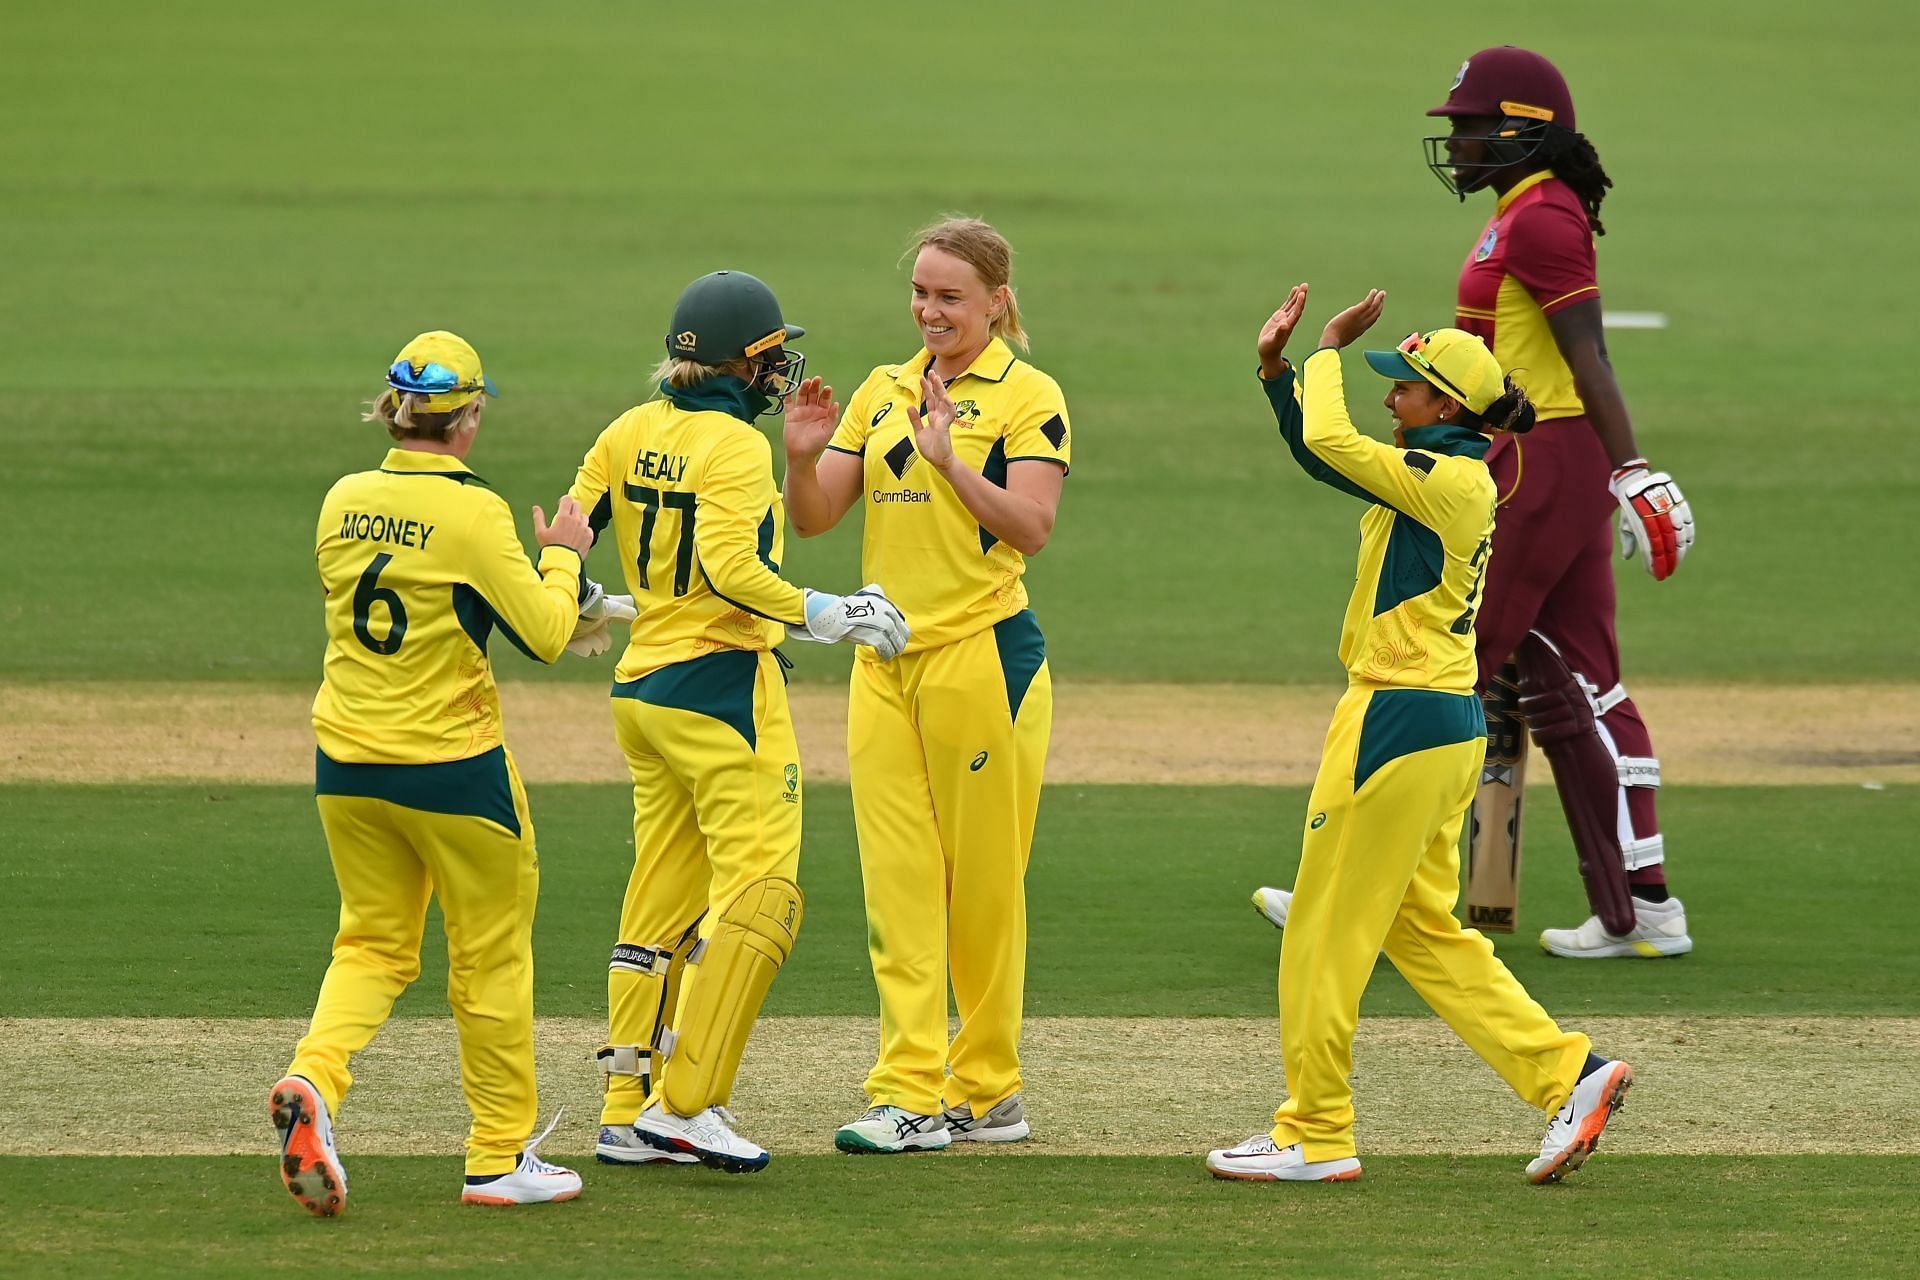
x,y
1379,860
957,457
420,565
700,709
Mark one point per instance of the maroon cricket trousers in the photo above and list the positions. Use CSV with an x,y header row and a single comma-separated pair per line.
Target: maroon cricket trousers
x,y
1552,572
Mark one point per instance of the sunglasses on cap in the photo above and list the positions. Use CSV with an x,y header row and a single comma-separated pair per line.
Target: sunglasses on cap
x,y
431,379
1414,348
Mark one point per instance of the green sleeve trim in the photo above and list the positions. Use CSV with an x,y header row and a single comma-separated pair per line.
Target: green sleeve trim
x,y
1292,426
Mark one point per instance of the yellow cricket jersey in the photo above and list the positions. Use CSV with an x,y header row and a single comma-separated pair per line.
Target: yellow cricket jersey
x,y
687,484
949,576
1424,543
420,563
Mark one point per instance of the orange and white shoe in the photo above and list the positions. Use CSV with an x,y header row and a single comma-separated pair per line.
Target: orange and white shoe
x,y
532,1181
1259,1160
1574,1132
309,1165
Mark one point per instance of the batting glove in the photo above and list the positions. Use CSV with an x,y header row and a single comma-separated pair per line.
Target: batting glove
x,y
1656,523
865,617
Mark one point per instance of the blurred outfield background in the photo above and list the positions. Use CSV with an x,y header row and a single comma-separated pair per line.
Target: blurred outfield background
x,y
220,221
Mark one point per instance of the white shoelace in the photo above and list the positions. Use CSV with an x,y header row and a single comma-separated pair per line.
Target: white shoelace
x,y
713,1125
1260,1145
530,1161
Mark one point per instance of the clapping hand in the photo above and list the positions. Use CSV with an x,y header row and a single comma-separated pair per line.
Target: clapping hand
x,y
1272,345
931,434
812,415
1355,320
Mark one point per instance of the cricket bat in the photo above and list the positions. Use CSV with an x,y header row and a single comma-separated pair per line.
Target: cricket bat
x,y
1493,847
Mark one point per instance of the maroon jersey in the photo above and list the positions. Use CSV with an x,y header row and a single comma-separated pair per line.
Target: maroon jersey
x,y
1534,257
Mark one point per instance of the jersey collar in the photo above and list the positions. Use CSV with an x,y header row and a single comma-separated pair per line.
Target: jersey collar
x,y
723,394
418,462
1520,188
993,364
1447,438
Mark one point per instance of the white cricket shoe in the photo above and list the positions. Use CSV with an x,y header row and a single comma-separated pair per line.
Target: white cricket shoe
x,y
1005,1123
1273,904
1574,1132
619,1144
886,1130
707,1137
1659,929
309,1165
532,1181
1259,1160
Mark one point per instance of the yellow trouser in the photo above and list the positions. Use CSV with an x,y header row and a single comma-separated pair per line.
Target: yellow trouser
x,y
947,747
389,857
1380,869
716,807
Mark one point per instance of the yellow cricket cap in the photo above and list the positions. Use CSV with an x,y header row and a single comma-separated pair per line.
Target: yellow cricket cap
x,y
444,368
1453,360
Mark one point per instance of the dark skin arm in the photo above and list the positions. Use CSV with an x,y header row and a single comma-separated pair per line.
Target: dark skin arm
x,y
1577,332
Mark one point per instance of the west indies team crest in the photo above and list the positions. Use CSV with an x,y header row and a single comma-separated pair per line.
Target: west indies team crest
x,y
1487,242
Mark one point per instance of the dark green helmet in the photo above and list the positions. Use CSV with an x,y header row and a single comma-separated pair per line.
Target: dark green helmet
x,y
725,316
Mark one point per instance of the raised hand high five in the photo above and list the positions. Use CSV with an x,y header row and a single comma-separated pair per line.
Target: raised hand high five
x,y
1272,344
812,415
1355,320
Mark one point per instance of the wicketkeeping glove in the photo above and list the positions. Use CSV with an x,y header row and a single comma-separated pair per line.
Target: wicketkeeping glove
x,y
865,617
590,637
1656,523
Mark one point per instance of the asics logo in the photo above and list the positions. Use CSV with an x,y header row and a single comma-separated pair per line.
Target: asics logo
x,y
860,611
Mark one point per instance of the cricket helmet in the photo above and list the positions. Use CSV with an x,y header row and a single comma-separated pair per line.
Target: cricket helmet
x,y
729,315
1521,91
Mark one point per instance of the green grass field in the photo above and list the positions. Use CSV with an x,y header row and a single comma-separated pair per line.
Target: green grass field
x,y
222,220
828,1215
216,243
233,894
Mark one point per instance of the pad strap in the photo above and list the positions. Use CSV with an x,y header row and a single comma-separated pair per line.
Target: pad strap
x,y
1605,702
1639,771
625,1060
1645,852
637,959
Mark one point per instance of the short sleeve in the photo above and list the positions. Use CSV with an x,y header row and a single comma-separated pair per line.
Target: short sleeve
x,y
861,416
1550,252
1040,431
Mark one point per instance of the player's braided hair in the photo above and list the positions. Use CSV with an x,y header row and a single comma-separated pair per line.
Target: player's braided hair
x,y
1512,412
1575,162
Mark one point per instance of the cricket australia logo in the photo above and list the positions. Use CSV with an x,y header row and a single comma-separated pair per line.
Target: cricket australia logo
x,y
793,784
966,413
